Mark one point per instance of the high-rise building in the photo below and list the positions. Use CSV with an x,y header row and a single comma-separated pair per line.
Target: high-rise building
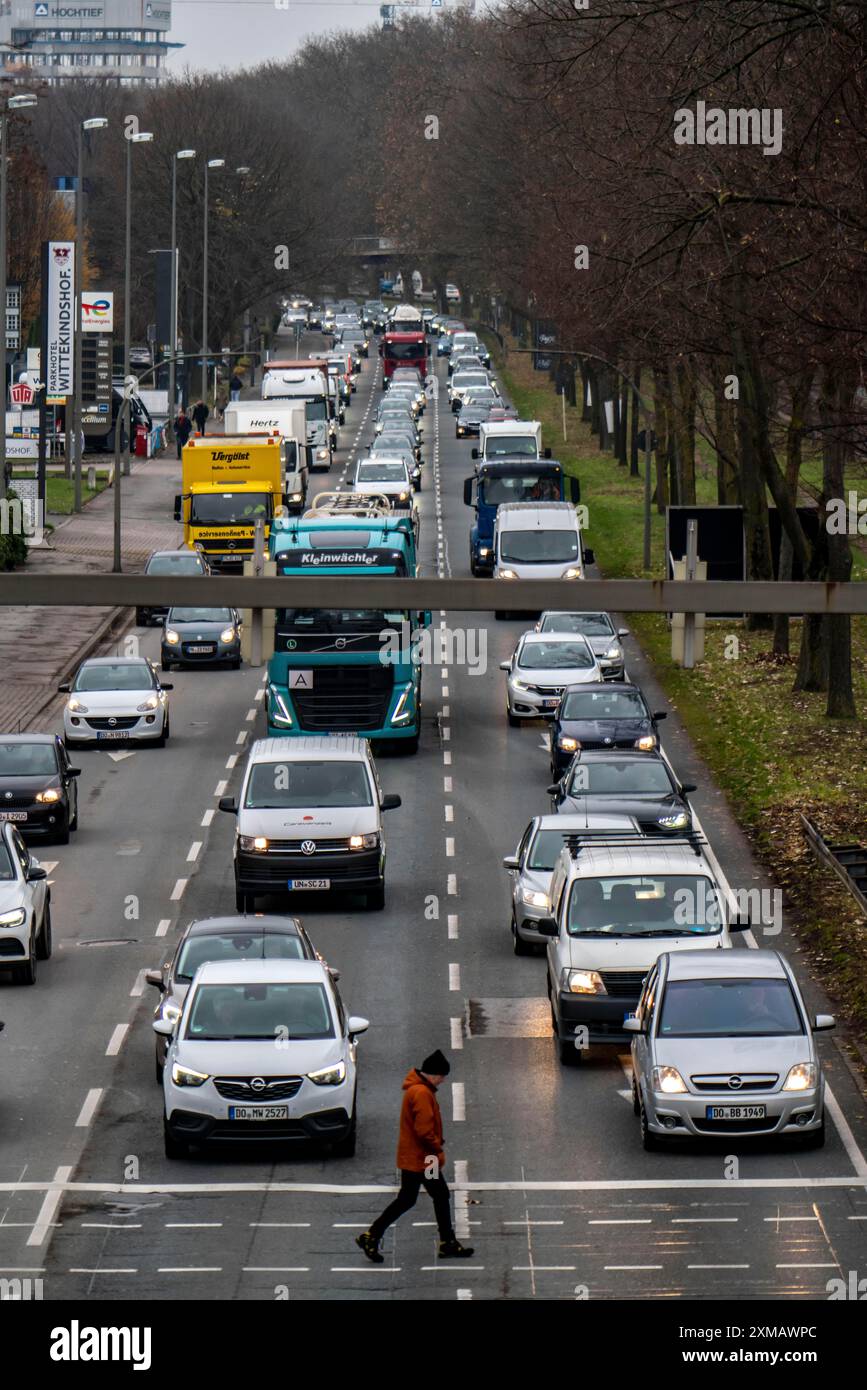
x,y
124,42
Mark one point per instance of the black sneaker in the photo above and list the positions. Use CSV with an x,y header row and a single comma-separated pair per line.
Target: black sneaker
x,y
369,1247
453,1250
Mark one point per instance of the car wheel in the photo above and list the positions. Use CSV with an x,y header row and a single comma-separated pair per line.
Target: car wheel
x,y
345,1147
26,974
43,940
141,619
61,835
520,947
236,664
648,1138
73,824
164,736
158,1070
636,1103
165,666
375,898
244,902
514,721
815,1139
72,744
570,1055
174,1147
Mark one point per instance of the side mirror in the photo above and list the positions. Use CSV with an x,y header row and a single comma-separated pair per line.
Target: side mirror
x,y
546,453
575,489
155,978
228,803
36,873
546,926
74,772
178,505
505,665
822,1022
356,1025
553,789
167,685
631,1024
468,488
659,714
390,802
589,557
64,688
623,632
474,453
511,861
335,974
164,1027
687,787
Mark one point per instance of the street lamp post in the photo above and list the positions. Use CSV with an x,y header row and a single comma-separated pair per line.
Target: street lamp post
x,y
12,104
93,123
209,164
140,138
173,329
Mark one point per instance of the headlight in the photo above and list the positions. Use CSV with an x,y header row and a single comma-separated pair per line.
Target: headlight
x,y
582,982
255,842
170,1012
401,712
614,653
363,841
506,574
279,709
803,1076
172,637
76,707
228,634
50,795
518,684
569,745
328,1076
646,742
296,497
572,573
16,918
534,899
484,550
668,1081
678,820
152,702
322,453
377,429
402,496
184,1076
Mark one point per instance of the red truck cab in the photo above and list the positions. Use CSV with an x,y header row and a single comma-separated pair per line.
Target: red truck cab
x,y
403,350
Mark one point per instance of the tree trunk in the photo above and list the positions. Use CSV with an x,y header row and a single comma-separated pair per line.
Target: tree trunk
x,y
634,471
603,378
586,380
595,388
799,392
751,422
837,392
660,391
685,400
622,419
728,483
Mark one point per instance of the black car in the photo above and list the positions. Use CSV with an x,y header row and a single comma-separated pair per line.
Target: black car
x,y
38,787
603,715
471,415
626,783
254,937
166,562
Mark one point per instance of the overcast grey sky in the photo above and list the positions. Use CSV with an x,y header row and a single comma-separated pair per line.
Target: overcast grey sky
x,y
240,33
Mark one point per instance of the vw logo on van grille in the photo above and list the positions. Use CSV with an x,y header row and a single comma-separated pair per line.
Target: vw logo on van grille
x,y
308,846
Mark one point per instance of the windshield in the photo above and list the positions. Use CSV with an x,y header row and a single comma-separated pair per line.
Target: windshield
x,y
463,379
239,507
529,487
27,759
539,547
591,624
404,377
544,656
603,704
200,615
617,777
644,905
729,1009
546,848
237,946
315,410
381,473
7,873
403,352
115,675
300,785
508,445
386,440
221,1013
174,564
348,620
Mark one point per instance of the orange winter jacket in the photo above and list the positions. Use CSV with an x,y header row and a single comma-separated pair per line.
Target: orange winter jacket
x,y
421,1125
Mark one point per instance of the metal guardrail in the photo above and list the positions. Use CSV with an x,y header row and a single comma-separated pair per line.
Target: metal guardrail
x,y
841,859
457,595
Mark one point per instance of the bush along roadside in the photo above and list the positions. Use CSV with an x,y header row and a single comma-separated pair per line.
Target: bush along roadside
x,y
13,547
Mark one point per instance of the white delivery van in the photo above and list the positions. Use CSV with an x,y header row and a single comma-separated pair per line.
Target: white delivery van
x,y
510,439
288,419
539,540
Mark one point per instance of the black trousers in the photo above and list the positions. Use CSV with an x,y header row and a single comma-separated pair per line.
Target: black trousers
x,y
410,1183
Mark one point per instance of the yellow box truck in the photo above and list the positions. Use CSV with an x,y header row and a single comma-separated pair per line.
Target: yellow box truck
x,y
229,483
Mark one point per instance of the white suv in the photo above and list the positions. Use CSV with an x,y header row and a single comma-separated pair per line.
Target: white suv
x,y
263,1050
309,820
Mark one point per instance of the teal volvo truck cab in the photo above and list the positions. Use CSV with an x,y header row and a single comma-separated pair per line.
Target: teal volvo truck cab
x,y
346,671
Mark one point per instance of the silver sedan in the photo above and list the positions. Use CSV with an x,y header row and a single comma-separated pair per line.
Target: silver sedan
x,y
541,668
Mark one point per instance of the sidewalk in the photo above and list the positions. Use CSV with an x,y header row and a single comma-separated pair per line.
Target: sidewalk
x,y
41,646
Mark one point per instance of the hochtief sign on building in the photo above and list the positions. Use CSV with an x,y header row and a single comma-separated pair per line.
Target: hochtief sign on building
x,y
59,319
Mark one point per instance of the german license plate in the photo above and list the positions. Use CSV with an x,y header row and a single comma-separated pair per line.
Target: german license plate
x,y
735,1112
258,1112
112,733
13,815
551,704
308,885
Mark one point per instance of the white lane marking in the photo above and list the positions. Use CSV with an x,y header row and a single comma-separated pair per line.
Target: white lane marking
x,y
162,926
450,847
251,714
119,757
349,1225
534,1269
260,693
445,712
454,976
446,734
445,694
777,1219
447,758
50,1204
462,1197
88,1109
459,1102
365,1269
208,817
194,851
275,1269
459,1268
452,885
702,1220
447,784
190,1225
444,671
78,1270
112,1225
190,1269
526,1221
49,865
220,788
808,1265
449,812
453,926
231,761
629,1267
138,988
622,1221
178,891
282,1225
241,738
116,1040
717,1266
457,1034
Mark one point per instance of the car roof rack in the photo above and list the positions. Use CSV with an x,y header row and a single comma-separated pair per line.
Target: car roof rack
x,y
577,840
372,504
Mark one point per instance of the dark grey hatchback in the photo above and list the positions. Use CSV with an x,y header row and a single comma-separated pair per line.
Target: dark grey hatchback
x,y
38,787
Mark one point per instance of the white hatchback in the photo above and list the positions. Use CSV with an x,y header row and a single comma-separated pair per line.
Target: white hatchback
x,y
116,699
